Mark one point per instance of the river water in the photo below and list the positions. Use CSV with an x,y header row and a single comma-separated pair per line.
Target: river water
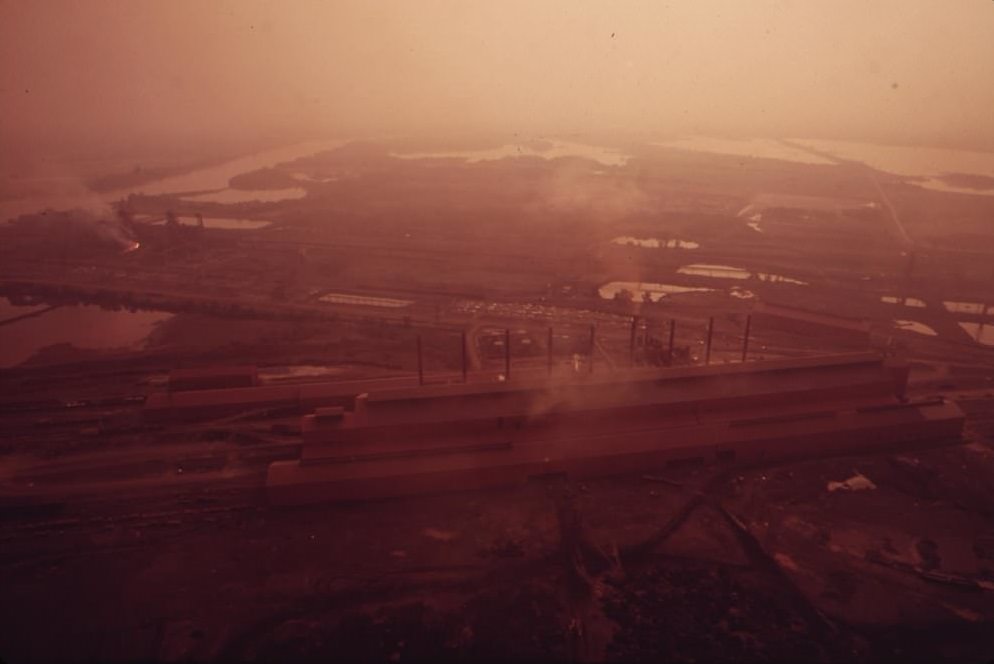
x,y
908,160
83,326
216,177
757,148
915,161
67,193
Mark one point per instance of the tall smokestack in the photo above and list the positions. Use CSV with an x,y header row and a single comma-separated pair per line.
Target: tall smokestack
x,y
593,343
631,340
745,337
421,373
549,346
507,354
672,337
707,346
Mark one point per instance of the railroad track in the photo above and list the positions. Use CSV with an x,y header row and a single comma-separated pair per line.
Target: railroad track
x,y
187,510
131,519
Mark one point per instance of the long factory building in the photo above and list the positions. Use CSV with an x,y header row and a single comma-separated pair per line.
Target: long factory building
x,y
438,438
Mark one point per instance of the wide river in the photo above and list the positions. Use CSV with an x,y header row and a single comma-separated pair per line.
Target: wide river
x,y
67,193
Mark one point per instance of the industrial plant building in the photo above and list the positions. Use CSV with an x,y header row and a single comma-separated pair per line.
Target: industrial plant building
x,y
460,437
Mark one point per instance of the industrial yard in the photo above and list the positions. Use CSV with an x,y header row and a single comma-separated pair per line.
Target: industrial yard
x,y
173,362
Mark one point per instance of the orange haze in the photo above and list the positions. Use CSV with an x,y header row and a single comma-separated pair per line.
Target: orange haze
x,y
128,71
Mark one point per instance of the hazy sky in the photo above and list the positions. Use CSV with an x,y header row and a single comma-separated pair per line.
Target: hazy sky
x,y
167,69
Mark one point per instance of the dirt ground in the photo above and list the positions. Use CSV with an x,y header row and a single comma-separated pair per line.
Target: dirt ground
x,y
618,569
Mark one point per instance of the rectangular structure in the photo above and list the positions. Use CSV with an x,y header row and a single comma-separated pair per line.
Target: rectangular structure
x,y
212,378
445,438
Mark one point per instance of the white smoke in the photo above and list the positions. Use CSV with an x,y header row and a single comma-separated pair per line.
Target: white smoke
x,y
60,198
575,187
38,195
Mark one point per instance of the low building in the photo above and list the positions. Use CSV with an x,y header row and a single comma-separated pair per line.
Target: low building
x,y
457,437
210,378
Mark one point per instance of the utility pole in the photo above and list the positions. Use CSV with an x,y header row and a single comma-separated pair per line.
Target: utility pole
x,y
631,341
672,336
745,337
548,345
421,373
593,342
707,346
507,354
